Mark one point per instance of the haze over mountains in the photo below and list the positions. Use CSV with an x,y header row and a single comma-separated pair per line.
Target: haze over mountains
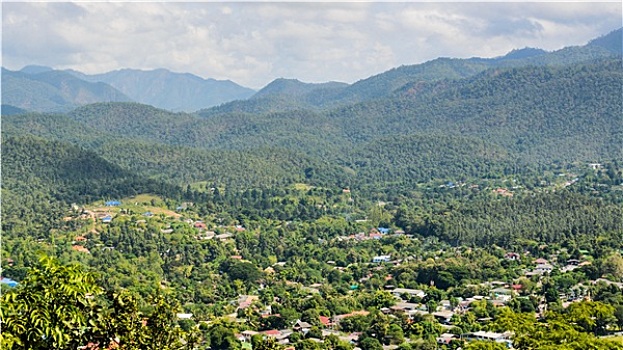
x,y
43,89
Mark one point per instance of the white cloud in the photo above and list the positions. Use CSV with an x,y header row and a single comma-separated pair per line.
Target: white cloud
x,y
253,43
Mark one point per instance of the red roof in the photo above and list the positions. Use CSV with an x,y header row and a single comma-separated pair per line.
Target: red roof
x,y
272,332
80,248
325,320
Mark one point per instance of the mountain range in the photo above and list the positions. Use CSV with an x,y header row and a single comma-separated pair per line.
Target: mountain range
x,y
43,89
447,119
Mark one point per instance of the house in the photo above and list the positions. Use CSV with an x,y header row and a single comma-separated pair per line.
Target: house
x,y
200,225
113,203
381,259
512,256
351,338
273,333
383,230
446,338
489,336
398,292
80,239
246,300
503,192
182,316
9,282
224,236
205,235
301,326
501,291
106,219
540,261
443,317
326,321
543,268
445,304
406,307
248,334
80,248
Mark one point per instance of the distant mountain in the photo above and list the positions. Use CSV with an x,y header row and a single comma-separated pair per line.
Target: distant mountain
x,y
294,87
45,90
523,53
612,42
11,110
172,91
281,95
35,69
287,94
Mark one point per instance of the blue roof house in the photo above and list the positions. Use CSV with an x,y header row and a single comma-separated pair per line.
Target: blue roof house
x,y
113,203
9,282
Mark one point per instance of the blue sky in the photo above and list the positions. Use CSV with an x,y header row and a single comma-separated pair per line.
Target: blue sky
x,y
252,43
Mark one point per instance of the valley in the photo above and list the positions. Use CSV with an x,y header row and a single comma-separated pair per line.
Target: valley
x,y
459,203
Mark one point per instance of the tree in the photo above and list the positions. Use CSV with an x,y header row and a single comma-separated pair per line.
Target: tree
x,y
62,307
484,345
222,338
265,344
395,334
618,313
370,343
592,316
613,265
50,308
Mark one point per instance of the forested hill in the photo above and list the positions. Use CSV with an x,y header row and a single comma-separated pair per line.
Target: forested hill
x,y
40,178
512,119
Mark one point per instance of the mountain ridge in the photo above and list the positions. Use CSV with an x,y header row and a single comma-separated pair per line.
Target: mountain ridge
x,y
165,89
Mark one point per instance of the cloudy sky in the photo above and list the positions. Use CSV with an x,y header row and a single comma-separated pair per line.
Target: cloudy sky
x,y
253,43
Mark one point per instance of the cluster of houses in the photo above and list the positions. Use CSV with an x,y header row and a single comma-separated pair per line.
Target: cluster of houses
x,y
331,325
375,233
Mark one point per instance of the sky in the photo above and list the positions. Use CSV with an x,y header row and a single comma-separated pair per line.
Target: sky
x,y
253,43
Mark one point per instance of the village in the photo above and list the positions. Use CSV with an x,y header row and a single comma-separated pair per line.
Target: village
x,y
526,291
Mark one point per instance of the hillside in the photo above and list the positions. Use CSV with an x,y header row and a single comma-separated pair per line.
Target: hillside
x,y
53,91
40,178
502,121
